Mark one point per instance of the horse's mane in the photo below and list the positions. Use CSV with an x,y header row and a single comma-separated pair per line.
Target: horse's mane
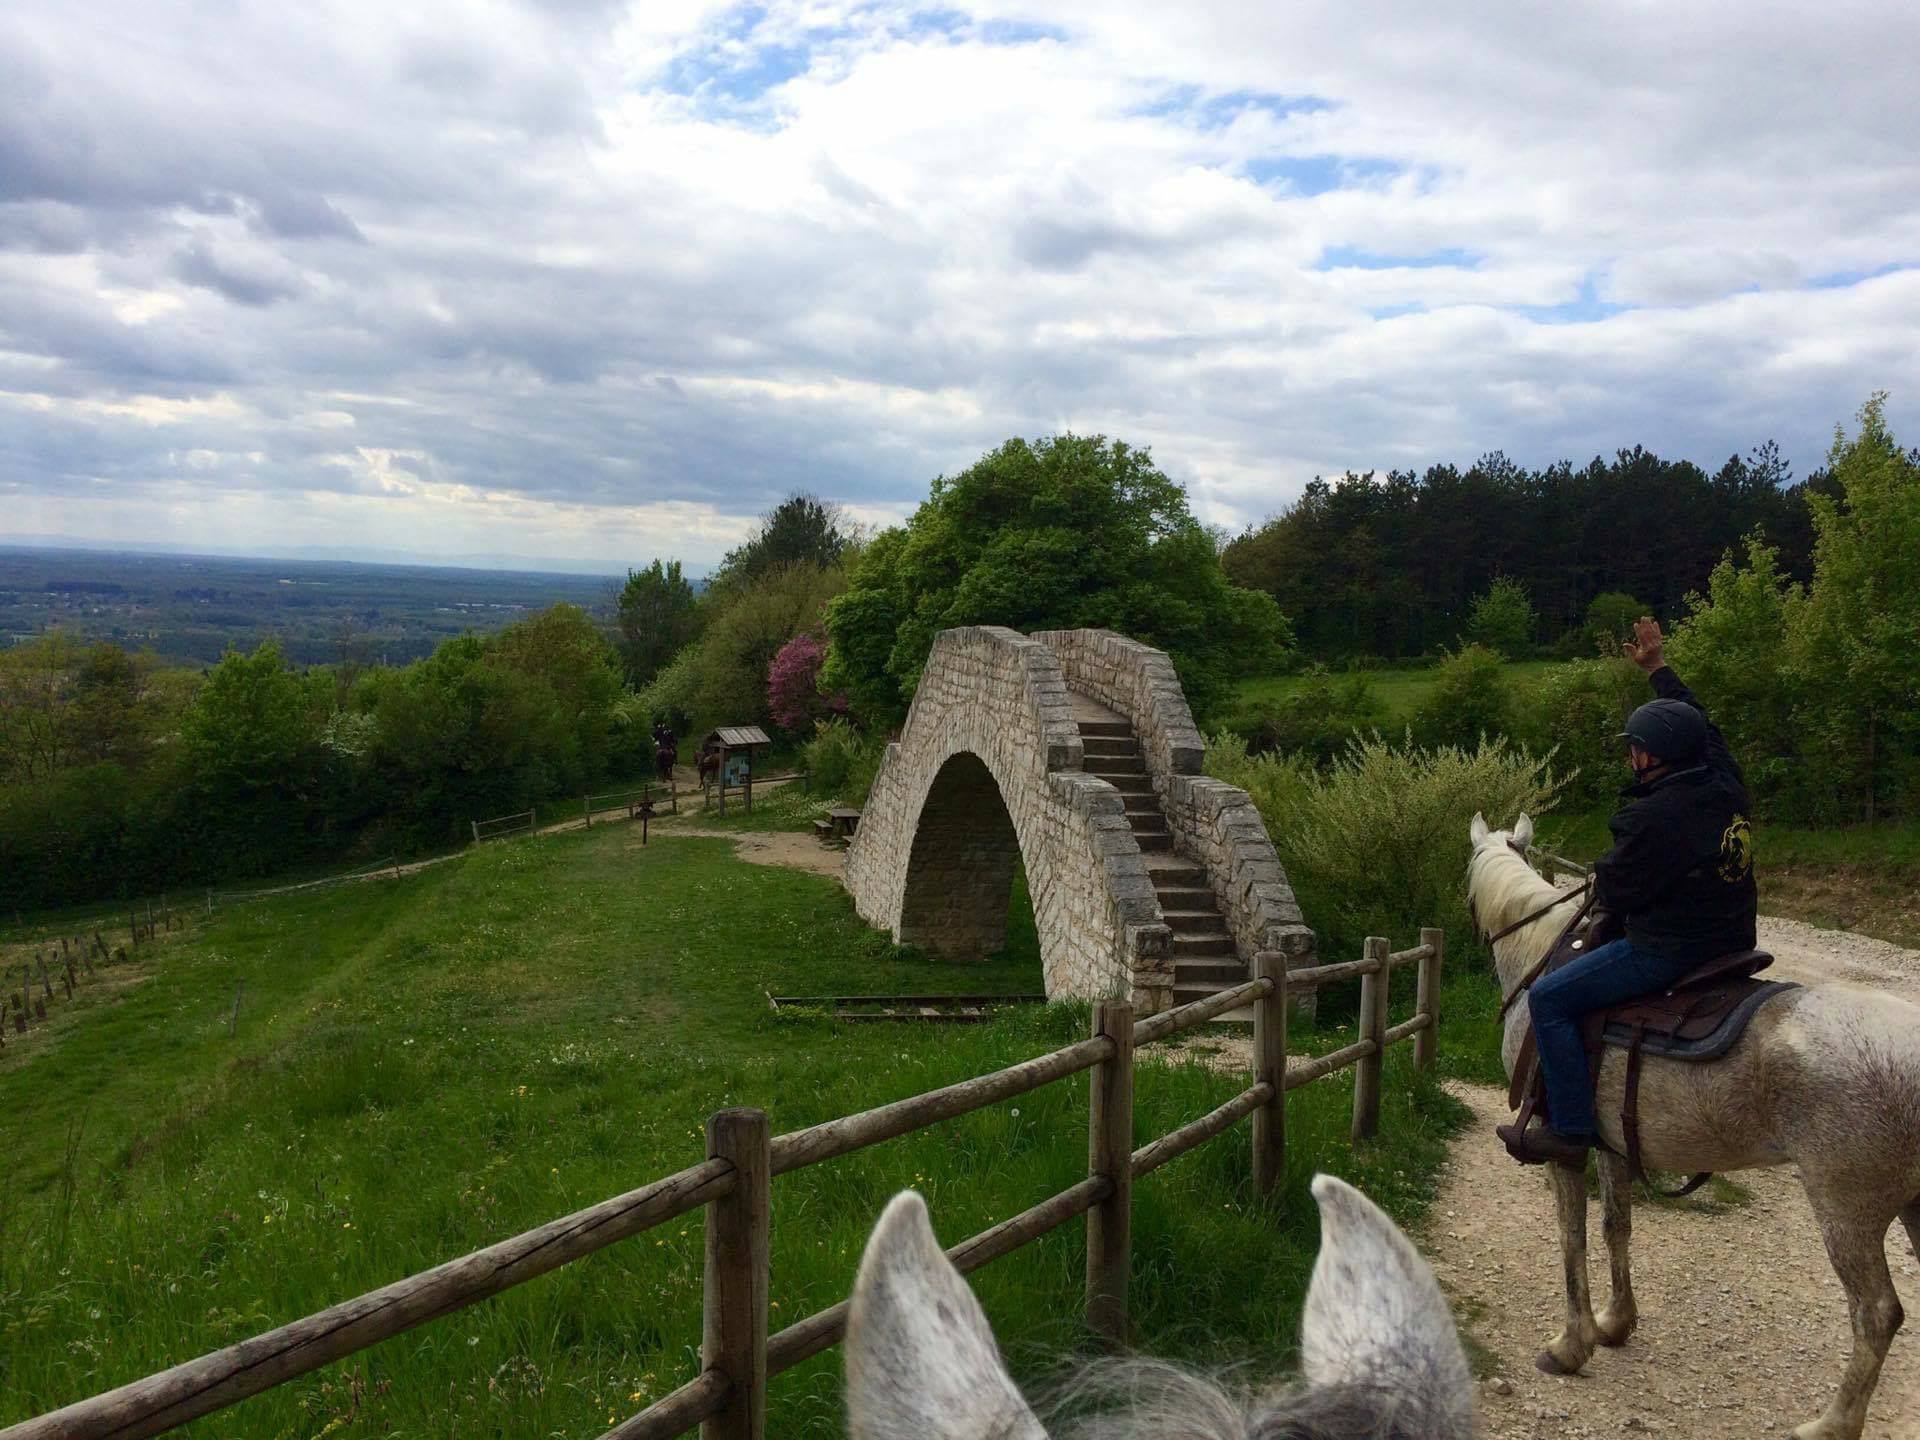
x,y
1501,887
1136,1399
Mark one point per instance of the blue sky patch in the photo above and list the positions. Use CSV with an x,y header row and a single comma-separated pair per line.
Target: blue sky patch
x,y
1320,174
1350,257
1843,279
1583,309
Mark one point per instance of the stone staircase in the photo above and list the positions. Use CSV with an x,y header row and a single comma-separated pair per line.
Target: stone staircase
x,y
1205,959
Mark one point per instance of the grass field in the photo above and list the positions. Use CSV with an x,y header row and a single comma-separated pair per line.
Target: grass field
x,y
1400,691
427,1065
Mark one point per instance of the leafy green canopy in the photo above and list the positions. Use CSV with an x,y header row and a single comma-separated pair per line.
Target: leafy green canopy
x,y
1064,532
657,617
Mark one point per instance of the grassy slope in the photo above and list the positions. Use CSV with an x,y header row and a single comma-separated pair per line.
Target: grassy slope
x,y
1400,690
428,1065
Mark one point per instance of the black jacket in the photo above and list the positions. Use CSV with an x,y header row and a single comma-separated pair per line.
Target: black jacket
x,y
1681,867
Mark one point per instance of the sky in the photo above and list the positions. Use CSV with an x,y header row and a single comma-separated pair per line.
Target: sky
x,y
593,282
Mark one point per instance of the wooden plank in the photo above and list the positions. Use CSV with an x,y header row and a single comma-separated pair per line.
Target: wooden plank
x,y
1394,1034
1426,1050
1196,1133
832,1138
1270,1069
158,1403
1407,957
1308,1071
1373,1025
1196,1013
1109,1157
734,1335
1312,977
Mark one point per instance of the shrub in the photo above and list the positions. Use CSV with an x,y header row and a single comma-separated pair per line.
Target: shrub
x,y
1317,720
1576,711
1470,700
841,761
793,683
1377,844
1610,617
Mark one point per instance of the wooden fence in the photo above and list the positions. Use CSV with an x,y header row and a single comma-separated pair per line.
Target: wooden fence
x,y
522,822
631,802
727,1399
1551,865
73,964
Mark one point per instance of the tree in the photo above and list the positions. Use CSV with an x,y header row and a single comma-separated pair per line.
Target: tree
x,y
1470,702
35,684
750,627
793,683
1058,533
109,718
657,619
1610,617
1502,617
802,529
1855,643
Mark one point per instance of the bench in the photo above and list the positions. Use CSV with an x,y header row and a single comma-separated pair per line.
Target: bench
x,y
823,831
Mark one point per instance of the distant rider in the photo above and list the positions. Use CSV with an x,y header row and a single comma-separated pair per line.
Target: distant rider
x,y
1680,874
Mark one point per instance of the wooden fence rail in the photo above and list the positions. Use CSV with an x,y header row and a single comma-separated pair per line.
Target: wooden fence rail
x,y
511,824
727,1399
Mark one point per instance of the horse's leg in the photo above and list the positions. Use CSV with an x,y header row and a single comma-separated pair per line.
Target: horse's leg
x,y
1856,1236
1569,1350
1910,1217
1617,1321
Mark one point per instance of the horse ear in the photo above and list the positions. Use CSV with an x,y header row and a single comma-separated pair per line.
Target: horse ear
x,y
1523,831
921,1362
1477,829
1375,1317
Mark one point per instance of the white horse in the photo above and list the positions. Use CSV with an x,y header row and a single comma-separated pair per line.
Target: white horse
x,y
1379,1352
1826,1077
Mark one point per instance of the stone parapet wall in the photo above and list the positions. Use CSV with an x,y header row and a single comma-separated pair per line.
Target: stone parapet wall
x,y
987,770
1214,824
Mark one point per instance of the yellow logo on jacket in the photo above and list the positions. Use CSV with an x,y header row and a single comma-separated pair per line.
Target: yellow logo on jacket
x,y
1736,851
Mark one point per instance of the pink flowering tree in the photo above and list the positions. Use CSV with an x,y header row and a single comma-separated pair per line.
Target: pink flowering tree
x,y
793,683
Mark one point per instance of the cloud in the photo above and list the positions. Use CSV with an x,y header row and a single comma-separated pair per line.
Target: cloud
x,y
619,275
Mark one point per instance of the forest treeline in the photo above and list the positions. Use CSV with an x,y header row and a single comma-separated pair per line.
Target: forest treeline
x,y
1389,565
1795,607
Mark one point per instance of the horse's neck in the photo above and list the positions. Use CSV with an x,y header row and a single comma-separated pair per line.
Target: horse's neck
x,y
1513,956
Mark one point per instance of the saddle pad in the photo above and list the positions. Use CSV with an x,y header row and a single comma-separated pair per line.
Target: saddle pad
x,y
1719,1019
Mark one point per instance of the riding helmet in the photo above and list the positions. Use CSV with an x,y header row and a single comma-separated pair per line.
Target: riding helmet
x,y
1669,730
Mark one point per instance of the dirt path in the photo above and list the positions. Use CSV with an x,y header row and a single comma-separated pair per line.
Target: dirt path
x,y
789,848
1743,1328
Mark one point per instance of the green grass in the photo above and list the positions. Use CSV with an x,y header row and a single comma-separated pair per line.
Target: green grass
x,y
1400,691
425,1066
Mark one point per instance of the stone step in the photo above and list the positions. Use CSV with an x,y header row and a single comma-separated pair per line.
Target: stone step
x,y
1108,766
1147,822
1202,947
1209,972
1106,729
1149,842
1187,994
1141,804
1128,784
1184,897
1109,747
1176,872
1194,922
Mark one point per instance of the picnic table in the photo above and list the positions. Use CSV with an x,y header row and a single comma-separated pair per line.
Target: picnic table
x,y
838,826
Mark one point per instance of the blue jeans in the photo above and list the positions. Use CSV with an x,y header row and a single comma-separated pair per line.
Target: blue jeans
x,y
1612,973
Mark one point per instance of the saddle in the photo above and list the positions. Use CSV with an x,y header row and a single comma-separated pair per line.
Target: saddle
x,y
1698,1019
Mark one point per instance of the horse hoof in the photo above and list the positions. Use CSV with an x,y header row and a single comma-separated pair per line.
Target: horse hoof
x,y
1549,1364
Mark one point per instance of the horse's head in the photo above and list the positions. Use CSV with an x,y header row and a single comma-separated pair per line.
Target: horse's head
x,y
1380,1355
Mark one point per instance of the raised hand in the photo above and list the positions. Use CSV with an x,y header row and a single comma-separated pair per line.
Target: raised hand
x,y
1647,648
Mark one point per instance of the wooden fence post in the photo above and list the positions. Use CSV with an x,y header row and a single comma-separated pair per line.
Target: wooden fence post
x,y
476,830
1373,1026
1426,1043
734,1339
1110,1154
586,808
1270,1065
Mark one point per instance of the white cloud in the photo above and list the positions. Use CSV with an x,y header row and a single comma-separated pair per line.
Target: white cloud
x,y
613,277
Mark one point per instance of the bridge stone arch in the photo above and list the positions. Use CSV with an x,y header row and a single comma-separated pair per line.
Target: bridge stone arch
x,y
991,769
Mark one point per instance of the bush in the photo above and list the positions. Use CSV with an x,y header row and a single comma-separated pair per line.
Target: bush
x,y
1317,720
1377,844
841,761
1610,617
1470,700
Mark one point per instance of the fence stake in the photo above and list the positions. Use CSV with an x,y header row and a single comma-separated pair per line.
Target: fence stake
x,y
1110,1154
735,1332
1373,1026
1426,1044
586,808
476,830
1270,1065
234,1019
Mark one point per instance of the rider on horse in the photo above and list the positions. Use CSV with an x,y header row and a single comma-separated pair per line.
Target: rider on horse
x,y
1680,875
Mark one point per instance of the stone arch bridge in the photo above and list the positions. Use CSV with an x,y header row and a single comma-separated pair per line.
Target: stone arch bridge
x,y
1072,750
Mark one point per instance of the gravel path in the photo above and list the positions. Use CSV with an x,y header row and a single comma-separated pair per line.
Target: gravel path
x,y
1743,1328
